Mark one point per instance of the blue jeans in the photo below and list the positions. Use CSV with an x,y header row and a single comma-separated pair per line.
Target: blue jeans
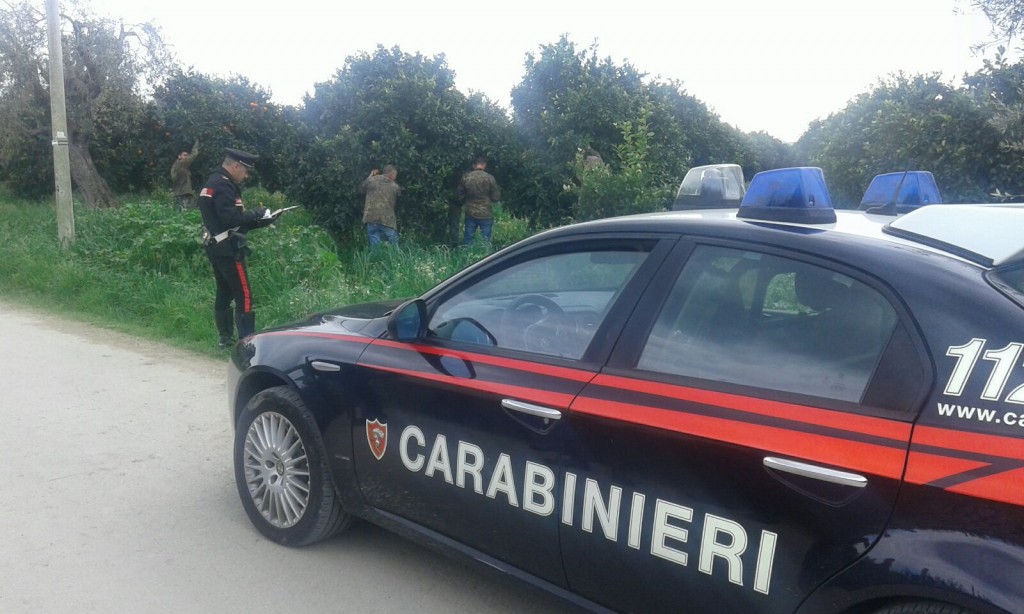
x,y
377,233
472,224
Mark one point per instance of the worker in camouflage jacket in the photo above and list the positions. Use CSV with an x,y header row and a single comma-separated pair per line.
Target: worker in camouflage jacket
x,y
379,210
478,191
181,178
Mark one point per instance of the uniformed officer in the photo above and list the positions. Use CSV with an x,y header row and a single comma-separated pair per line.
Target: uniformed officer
x,y
225,221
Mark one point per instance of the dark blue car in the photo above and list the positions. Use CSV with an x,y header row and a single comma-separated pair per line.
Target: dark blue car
x,y
719,411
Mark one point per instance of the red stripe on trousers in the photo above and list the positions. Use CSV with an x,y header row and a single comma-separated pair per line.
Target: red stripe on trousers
x,y
245,287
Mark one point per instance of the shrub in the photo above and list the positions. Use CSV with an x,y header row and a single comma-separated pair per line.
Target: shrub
x,y
141,237
602,192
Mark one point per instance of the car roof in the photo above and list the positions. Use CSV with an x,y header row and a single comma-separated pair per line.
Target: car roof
x,y
986,235
993,232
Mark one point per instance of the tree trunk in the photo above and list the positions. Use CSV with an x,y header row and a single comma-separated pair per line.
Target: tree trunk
x,y
93,188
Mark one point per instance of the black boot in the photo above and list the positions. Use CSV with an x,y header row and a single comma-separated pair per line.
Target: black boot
x,y
246,324
225,326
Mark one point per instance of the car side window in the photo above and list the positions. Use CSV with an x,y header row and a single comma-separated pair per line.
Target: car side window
x,y
761,320
551,305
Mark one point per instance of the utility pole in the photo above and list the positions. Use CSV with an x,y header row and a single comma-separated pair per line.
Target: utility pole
x,y
59,126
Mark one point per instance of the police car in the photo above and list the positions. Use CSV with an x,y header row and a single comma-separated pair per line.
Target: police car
x,y
780,408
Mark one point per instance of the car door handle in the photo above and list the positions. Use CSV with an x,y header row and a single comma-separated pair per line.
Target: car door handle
x,y
815,472
533,410
328,367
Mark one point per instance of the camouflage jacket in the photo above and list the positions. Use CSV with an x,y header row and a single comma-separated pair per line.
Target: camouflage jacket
x,y
478,190
181,178
381,194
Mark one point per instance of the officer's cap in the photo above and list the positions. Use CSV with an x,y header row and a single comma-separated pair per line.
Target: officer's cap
x,y
244,158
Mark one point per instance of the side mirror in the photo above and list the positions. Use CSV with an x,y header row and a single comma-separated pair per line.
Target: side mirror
x,y
409,321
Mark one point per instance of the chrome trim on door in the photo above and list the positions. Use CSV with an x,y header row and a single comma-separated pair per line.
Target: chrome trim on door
x,y
533,410
814,472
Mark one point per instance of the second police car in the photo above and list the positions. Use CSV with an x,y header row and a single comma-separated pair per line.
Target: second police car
x,y
780,408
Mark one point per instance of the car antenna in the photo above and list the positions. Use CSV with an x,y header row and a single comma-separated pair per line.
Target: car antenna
x,y
889,208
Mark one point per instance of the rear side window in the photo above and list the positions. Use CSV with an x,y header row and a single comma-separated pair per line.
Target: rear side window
x,y
761,320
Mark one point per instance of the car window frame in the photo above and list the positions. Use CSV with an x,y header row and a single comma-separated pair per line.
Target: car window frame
x,y
618,311
624,359
1001,278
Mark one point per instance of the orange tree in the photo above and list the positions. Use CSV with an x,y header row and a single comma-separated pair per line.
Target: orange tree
x,y
221,112
908,122
391,107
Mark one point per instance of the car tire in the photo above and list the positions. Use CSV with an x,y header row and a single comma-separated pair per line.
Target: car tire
x,y
922,607
281,471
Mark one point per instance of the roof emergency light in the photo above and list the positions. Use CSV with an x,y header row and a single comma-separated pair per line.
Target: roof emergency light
x,y
893,193
714,186
788,195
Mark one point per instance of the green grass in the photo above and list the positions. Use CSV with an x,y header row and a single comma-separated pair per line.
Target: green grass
x,y
140,269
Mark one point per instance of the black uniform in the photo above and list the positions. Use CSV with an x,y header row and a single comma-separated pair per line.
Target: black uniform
x,y
226,221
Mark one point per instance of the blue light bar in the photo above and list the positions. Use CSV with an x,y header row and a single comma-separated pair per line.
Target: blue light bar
x,y
788,195
901,192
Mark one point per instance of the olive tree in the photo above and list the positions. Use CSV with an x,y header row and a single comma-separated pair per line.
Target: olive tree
x,y
1006,16
106,65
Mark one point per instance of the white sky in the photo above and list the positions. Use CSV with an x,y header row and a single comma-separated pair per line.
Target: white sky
x,y
772,65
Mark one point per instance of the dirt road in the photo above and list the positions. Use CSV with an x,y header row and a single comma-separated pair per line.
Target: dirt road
x,y
117,495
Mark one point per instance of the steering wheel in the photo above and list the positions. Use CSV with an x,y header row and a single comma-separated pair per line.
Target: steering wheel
x,y
536,323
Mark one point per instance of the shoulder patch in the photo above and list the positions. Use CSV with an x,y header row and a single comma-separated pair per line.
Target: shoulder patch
x,y
207,192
